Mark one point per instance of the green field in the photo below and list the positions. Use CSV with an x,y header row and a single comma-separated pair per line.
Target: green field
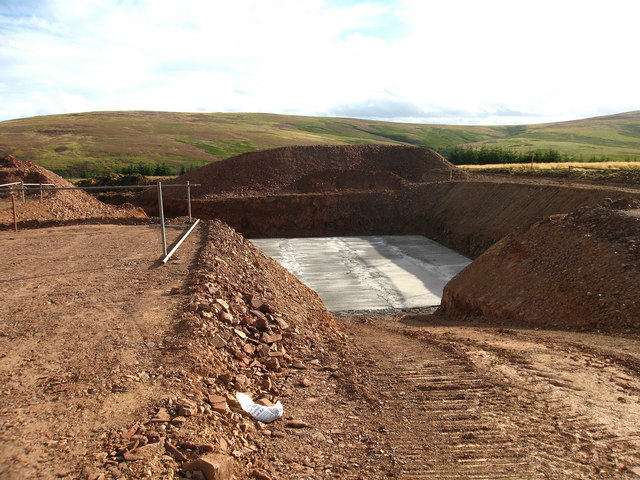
x,y
103,141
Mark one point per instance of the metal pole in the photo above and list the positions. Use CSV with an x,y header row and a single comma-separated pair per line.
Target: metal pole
x,y
186,234
107,187
189,199
41,193
22,185
15,216
161,209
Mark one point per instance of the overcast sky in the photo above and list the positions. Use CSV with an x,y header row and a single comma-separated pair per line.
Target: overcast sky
x,y
426,61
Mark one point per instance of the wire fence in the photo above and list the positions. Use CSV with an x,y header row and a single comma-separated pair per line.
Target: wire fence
x,y
14,188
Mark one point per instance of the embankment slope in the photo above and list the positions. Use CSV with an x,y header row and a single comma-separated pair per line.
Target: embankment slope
x,y
304,169
579,270
468,216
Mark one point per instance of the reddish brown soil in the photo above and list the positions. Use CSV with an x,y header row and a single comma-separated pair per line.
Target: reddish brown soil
x,y
114,368
570,271
94,345
309,168
337,180
365,190
61,205
84,316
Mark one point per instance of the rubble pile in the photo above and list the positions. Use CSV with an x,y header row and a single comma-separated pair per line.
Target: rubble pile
x,y
60,205
248,326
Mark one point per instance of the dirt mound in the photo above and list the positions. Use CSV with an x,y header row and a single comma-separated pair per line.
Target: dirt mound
x,y
579,270
351,180
59,205
287,169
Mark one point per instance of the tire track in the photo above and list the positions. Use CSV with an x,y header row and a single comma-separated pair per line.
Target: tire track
x,y
434,406
446,420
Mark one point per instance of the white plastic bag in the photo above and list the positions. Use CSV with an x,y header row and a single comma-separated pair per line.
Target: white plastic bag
x,y
260,412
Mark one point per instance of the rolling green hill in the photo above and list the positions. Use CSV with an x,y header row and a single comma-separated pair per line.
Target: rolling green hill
x,y
101,141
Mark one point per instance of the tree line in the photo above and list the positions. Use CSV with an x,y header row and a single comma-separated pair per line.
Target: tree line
x,y
146,169
486,155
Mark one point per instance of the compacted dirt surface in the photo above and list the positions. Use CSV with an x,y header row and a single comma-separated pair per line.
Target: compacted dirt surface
x,y
113,367
469,400
83,313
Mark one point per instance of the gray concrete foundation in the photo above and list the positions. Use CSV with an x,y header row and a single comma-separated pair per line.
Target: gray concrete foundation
x,y
358,274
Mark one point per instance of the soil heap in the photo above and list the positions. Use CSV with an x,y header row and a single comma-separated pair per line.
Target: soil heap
x,y
579,270
319,168
60,205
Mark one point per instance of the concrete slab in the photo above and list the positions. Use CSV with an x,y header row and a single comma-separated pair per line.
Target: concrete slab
x,y
352,274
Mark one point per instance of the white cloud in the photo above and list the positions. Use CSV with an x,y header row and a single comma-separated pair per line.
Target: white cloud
x,y
558,58
458,61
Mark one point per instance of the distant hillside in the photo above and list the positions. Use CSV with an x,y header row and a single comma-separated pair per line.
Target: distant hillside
x,y
107,140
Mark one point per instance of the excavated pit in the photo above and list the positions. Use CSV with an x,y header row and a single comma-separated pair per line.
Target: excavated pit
x,y
441,398
353,191
355,275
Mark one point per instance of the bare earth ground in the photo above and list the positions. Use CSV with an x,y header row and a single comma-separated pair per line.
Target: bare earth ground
x,y
83,314
85,318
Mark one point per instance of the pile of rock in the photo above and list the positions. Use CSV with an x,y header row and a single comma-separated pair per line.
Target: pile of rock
x,y
57,205
246,326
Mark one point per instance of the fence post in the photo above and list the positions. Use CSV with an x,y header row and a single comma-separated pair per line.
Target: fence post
x,y
189,199
15,216
161,210
22,187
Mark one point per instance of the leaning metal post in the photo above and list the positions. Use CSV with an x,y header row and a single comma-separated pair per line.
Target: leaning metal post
x,y
161,209
182,239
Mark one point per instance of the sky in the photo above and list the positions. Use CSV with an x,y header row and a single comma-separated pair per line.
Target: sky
x,y
468,62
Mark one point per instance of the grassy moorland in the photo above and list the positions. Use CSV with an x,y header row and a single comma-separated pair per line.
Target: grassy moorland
x,y
104,141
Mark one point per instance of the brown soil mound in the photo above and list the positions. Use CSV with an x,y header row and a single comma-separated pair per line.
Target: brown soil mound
x,y
60,205
579,270
289,169
337,180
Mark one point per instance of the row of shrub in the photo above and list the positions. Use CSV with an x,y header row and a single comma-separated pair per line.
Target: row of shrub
x,y
486,155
